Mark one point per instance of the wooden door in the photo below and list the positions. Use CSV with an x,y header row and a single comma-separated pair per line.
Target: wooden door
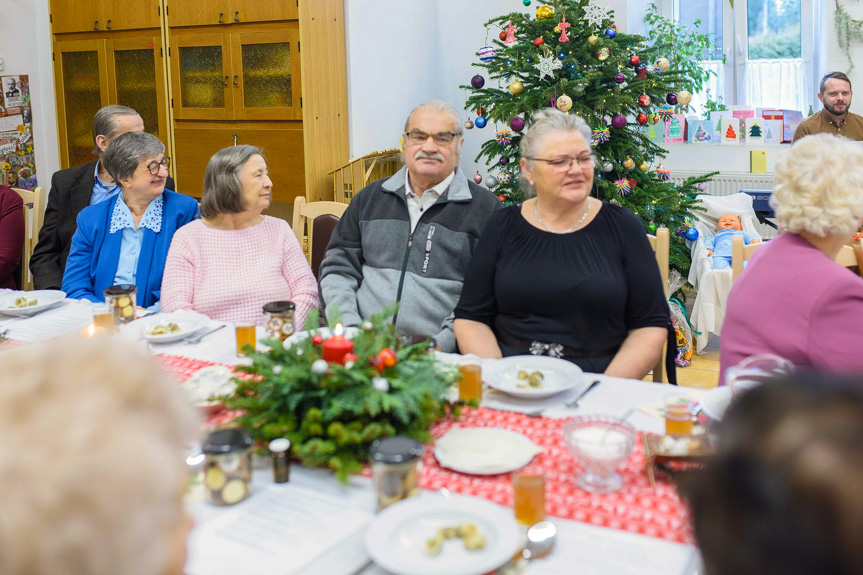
x,y
282,145
198,12
136,79
81,83
263,11
266,75
76,16
131,14
200,75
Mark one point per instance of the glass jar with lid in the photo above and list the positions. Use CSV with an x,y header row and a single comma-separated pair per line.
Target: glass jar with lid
x,y
395,468
227,466
279,316
121,301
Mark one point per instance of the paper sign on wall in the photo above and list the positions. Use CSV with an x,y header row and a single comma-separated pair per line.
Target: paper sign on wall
x,y
17,164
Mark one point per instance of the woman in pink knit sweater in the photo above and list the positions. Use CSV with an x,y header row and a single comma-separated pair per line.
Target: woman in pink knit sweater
x,y
233,260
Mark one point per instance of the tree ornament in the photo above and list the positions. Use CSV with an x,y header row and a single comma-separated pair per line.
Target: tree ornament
x,y
618,121
592,39
480,111
502,198
684,97
502,35
388,357
595,13
525,2
490,182
651,227
662,64
504,160
317,339
671,98
510,33
547,65
516,87
641,118
663,174
692,234
564,103
610,32
628,163
557,29
544,12
600,135
477,178
620,78
563,26
622,186
644,100
381,384
486,54
665,114
468,125
504,177
368,326
622,86
538,42
504,137
480,122
517,124
320,367
654,118
602,53
350,360
702,186
477,82
632,183
607,167
634,60
644,166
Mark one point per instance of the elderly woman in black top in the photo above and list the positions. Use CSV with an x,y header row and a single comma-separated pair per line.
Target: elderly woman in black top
x,y
564,274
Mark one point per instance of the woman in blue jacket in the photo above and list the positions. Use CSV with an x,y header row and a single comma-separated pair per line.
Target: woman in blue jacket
x,y
125,240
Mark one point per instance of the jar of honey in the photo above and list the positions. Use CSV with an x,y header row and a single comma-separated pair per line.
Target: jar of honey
x,y
279,316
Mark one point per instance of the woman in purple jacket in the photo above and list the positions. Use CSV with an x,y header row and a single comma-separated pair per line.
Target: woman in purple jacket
x,y
11,235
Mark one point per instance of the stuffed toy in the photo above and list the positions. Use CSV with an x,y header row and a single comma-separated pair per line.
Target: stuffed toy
x,y
719,246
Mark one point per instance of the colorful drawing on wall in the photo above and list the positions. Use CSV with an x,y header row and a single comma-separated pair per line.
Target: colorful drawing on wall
x,y
17,162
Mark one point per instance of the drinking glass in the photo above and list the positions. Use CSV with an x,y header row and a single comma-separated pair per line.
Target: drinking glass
x,y
103,319
470,384
678,414
245,336
528,487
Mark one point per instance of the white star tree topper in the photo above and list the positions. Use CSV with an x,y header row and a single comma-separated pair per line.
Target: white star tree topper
x,y
547,65
595,13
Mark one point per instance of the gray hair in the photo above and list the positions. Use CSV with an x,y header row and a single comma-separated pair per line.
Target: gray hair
x,y
223,191
126,153
105,123
440,107
542,123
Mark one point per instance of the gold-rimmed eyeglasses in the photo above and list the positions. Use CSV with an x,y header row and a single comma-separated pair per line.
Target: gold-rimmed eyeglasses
x,y
564,164
441,138
153,167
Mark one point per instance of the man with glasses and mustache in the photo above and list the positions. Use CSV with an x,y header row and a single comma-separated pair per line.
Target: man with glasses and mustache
x,y
408,239
835,118
73,189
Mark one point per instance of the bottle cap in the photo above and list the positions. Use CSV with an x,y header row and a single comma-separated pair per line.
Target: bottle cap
x,y
280,445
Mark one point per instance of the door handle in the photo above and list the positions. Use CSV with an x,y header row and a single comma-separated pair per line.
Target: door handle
x,y
235,139
220,17
96,25
225,83
109,25
236,77
237,16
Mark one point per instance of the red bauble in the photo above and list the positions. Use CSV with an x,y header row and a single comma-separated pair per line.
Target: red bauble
x,y
634,60
388,357
641,118
502,36
644,101
317,339
538,42
480,111
350,357
502,198
632,183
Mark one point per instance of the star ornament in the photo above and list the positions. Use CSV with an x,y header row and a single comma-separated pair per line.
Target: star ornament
x,y
595,13
547,65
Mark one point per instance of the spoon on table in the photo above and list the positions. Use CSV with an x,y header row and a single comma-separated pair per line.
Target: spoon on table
x,y
540,540
577,401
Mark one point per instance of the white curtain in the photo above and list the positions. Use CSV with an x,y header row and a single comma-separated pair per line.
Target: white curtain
x,y
777,83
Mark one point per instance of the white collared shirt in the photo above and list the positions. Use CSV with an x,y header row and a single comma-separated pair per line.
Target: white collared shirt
x,y
418,204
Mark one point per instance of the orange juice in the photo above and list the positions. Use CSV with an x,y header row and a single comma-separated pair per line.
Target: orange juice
x,y
678,427
470,385
103,321
245,336
528,497
678,415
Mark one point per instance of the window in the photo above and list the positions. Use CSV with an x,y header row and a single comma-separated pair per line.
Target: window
x,y
770,59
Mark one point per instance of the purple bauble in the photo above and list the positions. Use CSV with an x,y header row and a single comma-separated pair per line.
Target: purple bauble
x,y
480,122
671,98
504,160
702,186
618,121
517,124
619,78
477,82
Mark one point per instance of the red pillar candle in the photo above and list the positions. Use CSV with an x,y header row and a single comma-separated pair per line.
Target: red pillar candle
x,y
337,347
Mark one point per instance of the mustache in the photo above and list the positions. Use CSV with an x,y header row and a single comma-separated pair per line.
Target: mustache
x,y
420,155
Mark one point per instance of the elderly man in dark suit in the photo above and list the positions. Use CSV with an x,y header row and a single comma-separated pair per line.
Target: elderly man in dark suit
x,y
72,190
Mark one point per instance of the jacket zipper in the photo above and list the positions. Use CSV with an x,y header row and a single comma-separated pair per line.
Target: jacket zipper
x,y
402,278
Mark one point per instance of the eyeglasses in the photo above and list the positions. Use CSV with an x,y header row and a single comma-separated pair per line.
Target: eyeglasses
x,y
153,167
564,164
441,138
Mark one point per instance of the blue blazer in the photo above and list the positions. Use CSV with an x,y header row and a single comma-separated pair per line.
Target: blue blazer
x,y
94,255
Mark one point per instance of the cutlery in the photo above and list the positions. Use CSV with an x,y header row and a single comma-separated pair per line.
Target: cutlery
x,y
577,401
540,540
198,338
648,460
531,413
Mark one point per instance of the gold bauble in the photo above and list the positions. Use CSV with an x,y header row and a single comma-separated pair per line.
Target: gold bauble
x,y
683,97
516,87
628,163
564,103
643,166
544,12
557,29
592,39
662,64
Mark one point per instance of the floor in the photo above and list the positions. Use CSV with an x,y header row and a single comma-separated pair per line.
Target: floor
x,y
703,373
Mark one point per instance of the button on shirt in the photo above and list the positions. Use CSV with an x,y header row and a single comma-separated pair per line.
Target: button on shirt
x,y
101,190
419,204
130,246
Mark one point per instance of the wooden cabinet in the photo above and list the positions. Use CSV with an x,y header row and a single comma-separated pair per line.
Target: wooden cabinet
x,y
236,75
102,15
211,12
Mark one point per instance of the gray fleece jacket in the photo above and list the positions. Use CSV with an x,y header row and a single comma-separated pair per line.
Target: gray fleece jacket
x,y
373,260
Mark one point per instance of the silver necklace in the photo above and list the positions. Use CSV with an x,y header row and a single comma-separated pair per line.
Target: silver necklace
x,y
572,229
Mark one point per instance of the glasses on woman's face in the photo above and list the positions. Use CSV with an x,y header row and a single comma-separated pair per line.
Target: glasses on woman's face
x,y
441,138
564,164
153,167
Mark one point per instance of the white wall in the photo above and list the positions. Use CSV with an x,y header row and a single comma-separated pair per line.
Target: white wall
x,y
25,46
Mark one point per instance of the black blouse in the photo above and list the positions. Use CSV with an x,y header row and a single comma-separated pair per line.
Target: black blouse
x,y
584,290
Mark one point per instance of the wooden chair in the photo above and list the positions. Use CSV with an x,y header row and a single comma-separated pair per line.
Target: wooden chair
x,y
313,224
850,256
34,213
661,245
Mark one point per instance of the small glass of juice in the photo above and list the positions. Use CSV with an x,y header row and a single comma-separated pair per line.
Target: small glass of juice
x,y
528,487
470,384
678,414
245,336
103,319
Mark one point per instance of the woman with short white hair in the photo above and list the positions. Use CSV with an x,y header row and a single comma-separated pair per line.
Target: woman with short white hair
x,y
793,299
92,462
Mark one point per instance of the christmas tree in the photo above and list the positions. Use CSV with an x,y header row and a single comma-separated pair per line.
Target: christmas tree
x,y
729,133
755,131
569,54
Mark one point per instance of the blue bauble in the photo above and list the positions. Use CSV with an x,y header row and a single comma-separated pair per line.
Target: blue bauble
x,y
480,122
692,234
610,32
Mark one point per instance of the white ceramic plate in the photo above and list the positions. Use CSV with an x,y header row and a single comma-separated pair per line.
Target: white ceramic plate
x,y
188,321
47,299
397,537
325,332
558,375
716,401
484,450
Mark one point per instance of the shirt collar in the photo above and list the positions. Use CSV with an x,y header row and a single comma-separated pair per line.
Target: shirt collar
x,y
437,189
106,186
121,218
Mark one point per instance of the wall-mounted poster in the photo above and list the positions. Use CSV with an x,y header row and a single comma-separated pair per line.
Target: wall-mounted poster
x,y
17,163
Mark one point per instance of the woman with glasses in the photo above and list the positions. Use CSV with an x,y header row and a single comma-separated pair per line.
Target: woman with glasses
x,y
564,274
125,239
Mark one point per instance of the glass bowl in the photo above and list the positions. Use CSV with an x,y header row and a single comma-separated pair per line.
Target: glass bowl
x,y
600,444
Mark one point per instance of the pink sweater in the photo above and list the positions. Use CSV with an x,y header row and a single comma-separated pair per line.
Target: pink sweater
x,y
229,275
795,302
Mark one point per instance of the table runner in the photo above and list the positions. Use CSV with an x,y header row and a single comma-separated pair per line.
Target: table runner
x,y
182,368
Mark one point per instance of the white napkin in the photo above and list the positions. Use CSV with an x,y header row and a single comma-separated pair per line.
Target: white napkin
x,y
484,450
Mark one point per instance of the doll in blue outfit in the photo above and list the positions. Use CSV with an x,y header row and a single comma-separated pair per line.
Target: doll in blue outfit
x,y
719,246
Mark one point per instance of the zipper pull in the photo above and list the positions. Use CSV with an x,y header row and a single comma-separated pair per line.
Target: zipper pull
x,y
410,240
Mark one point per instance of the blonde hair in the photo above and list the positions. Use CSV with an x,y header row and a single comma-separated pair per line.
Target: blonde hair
x,y
819,186
91,460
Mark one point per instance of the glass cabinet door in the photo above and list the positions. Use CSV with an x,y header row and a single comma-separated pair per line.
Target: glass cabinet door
x,y
201,88
81,81
266,75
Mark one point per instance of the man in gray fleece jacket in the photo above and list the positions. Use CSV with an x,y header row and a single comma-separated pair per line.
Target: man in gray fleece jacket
x,y
409,238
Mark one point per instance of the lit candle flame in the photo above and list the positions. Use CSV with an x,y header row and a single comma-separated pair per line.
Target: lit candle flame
x,y
338,330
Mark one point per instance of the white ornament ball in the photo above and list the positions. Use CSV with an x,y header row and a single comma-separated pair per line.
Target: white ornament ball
x,y
486,54
367,326
490,182
504,178
622,86
662,64
684,97
564,103
320,367
607,167
277,369
381,384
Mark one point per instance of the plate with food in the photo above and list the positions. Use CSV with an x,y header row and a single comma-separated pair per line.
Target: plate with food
x,y
484,450
207,383
30,302
431,534
531,376
170,327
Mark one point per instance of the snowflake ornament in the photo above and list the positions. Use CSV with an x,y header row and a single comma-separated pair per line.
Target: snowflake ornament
x,y
595,13
601,135
622,186
504,137
547,65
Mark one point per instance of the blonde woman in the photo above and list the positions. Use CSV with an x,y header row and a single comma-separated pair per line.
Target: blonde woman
x,y
793,300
